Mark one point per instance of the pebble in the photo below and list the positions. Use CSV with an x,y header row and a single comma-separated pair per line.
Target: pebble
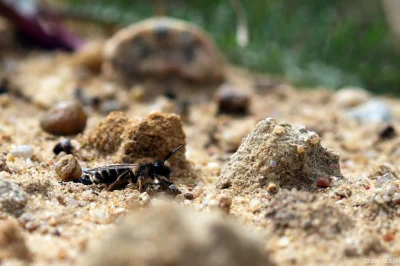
x,y
12,198
3,164
188,196
24,151
144,199
232,101
63,146
220,201
373,111
64,118
350,97
323,182
68,168
387,132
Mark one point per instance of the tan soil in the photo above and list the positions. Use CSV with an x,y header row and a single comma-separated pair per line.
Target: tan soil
x,y
343,224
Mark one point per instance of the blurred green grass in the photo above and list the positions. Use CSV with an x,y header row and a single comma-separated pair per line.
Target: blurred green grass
x,y
331,43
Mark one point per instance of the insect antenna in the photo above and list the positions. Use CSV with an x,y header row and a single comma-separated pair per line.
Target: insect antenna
x,y
171,153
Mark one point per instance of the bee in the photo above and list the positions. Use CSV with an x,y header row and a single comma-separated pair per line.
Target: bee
x,y
119,175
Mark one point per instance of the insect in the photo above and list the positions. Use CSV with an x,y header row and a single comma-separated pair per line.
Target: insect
x,y
118,175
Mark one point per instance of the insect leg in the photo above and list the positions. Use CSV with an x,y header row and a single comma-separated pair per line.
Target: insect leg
x,y
122,180
84,179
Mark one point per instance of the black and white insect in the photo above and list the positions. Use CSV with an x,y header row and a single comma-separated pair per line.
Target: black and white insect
x,y
119,175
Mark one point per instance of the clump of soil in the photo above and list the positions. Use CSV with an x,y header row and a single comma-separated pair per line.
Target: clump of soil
x,y
12,242
303,210
170,235
133,141
278,153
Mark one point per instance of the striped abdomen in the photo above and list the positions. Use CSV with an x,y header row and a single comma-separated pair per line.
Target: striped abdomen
x,y
109,175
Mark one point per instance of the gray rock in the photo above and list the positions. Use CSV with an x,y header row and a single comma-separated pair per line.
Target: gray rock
x,y
373,111
12,198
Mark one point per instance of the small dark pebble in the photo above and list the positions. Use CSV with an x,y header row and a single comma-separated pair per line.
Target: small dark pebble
x,y
388,132
63,146
188,196
4,84
170,94
323,182
173,190
232,101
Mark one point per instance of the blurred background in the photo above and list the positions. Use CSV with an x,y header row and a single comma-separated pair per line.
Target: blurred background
x,y
332,43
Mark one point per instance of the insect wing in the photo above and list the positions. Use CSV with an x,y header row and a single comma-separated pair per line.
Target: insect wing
x,y
110,166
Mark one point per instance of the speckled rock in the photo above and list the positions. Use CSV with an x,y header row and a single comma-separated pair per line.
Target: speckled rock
x,y
169,235
373,111
12,198
130,141
3,164
68,168
278,153
350,97
12,242
162,47
303,210
64,118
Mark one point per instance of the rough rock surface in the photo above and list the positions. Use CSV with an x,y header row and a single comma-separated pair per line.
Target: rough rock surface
x,y
301,210
12,242
130,141
167,235
161,47
280,154
12,198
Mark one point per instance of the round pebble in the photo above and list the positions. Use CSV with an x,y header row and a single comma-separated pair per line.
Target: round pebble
x,y
64,118
323,182
232,101
24,151
68,168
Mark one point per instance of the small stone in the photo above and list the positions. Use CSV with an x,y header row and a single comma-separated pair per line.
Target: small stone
x,y
220,201
144,199
387,132
350,97
188,196
389,237
12,198
272,188
24,151
323,182
373,111
63,146
64,118
68,168
343,192
232,101
3,164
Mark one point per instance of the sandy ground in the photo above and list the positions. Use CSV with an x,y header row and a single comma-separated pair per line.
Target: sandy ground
x,y
349,223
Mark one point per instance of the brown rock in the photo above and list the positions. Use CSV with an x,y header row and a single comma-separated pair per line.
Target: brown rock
x,y
162,47
64,118
169,235
12,242
323,182
232,101
68,168
278,153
